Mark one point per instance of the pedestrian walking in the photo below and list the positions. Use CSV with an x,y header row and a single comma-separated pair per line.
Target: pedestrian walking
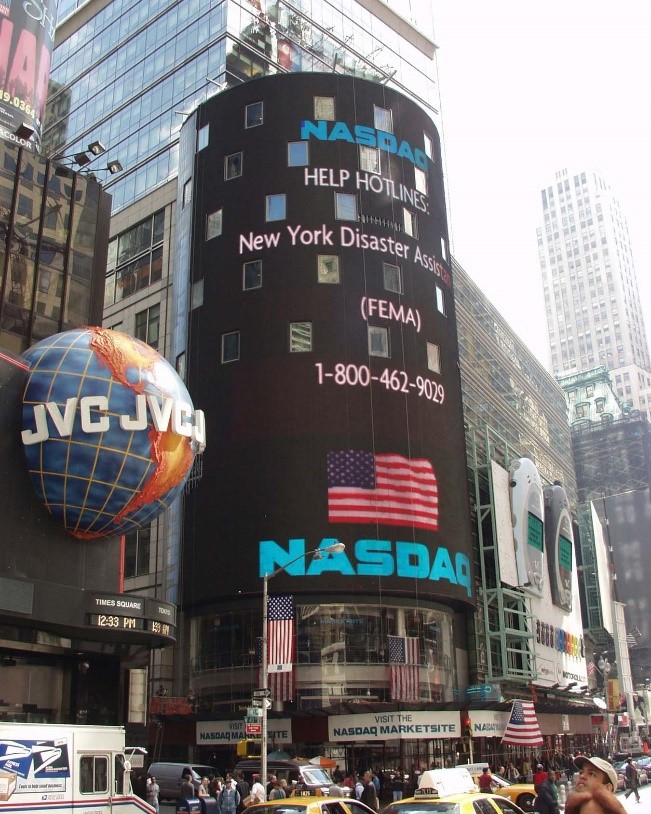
x,y
632,777
229,798
152,792
369,794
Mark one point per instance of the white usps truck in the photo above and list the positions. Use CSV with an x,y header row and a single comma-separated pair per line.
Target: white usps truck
x,y
66,768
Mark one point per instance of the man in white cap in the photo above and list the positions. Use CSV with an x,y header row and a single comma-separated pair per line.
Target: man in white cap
x,y
595,788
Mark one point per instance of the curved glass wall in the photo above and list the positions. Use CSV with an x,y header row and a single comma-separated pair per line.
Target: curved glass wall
x,y
342,654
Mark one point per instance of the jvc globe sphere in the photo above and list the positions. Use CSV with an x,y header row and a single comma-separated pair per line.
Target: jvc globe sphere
x,y
109,430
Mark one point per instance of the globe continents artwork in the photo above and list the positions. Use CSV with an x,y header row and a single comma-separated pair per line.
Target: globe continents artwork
x,y
109,430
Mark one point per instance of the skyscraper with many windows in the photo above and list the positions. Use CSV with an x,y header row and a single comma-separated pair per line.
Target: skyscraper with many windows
x,y
594,315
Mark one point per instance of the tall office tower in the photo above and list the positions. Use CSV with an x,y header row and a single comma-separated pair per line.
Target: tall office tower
x,y
594,315
130,73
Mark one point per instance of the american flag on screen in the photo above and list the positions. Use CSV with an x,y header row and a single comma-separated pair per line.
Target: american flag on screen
x,y
522,728
403,668
387,489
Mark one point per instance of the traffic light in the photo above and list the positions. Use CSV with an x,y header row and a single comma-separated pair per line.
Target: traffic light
x,y
248,748
467,726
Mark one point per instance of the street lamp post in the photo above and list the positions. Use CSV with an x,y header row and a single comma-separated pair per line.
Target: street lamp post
x,y
316,553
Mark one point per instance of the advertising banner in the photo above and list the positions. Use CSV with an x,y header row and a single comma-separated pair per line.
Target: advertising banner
x,y
26,41
393,726
227,733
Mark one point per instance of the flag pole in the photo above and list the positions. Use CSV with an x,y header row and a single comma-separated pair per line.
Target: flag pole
x,y
335,548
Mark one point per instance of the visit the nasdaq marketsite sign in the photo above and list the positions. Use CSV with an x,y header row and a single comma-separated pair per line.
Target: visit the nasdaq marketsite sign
x,y
394,726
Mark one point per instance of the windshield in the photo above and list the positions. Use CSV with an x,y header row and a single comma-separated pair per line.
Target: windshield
x,y
316,777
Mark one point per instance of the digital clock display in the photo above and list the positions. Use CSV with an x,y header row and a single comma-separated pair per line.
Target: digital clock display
x,y
162,628
113,622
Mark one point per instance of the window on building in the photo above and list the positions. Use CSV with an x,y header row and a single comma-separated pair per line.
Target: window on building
x,y
233,166
300,337
392,278
196,297
180,365
440,300
214,224
410,222
203,137
428,146
378,341
328,268
600,405
187,192
369,159
589,391
135,259
581,411
298,154
345,206
252,275
276,207
230,346
433,357
148,325
254,114
137,547
420,180
324,108
382,119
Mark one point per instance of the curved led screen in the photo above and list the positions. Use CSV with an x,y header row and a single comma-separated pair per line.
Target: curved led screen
x,y
322,339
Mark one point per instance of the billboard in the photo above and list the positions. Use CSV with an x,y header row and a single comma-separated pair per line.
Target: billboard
x,y
325,346
26,40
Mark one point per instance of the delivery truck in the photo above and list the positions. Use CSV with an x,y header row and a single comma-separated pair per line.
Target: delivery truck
x,y
64,768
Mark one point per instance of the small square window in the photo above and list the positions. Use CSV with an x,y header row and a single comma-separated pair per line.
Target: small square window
x,y
252,275
231,346
328,268
187,192
433,357
378,341
420,180
410,223
276,207
233,166
203,137
197,294
324,108
300,337
392,278
254,114
383,119
444,249
440,301
429,146
345,206
214,224
298,154
369,159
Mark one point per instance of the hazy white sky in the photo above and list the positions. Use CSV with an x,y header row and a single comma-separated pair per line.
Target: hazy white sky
x,y
528,88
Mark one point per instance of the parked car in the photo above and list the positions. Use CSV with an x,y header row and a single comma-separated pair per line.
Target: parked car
x,y
620,768
170,776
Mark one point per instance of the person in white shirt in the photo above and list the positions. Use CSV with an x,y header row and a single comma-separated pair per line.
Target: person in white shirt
x,y
258,793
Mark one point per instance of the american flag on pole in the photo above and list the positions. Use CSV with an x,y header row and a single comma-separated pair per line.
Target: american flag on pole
x,y
403,668
281,685
387,489
522,728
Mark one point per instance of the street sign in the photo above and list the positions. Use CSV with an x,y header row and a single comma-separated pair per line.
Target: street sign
x,y
250,719
254,712
266,693
262,703
253,729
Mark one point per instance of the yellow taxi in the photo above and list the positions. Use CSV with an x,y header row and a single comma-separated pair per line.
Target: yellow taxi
x,y
310,804
451,791
523,794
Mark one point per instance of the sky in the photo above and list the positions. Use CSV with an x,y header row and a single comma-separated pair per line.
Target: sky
x,y
529,88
